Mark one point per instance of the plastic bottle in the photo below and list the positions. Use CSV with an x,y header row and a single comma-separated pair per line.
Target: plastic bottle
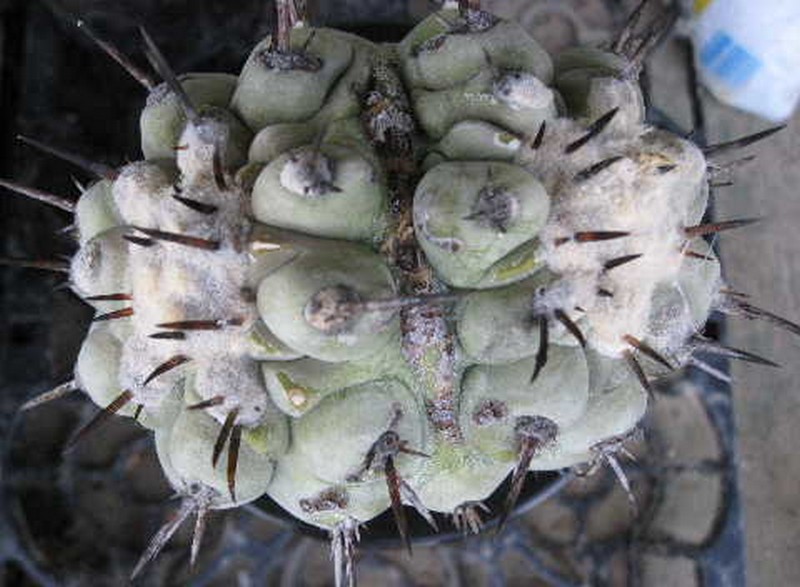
x,y
748,53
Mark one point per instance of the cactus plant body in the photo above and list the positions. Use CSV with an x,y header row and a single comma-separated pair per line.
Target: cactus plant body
x,y
360,276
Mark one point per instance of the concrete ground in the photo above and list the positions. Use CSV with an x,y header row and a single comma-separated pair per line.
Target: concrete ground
x,y
764,261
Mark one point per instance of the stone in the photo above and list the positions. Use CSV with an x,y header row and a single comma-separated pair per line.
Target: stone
x,y
552,520
664,571
689,506
683,429
614,514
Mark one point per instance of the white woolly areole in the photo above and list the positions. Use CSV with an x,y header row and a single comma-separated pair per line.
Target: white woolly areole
x,y
197,145
172,282
138,191
522,90
140,356
307,173
234,373
647,192
100,265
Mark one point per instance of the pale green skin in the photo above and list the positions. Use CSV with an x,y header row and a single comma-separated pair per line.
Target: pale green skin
x,y
464,56
276,139
559,393
443,199
592,82
264,96
96,211
616,403
454,82
100,266
141,189
189,445
511,335
591,399
338,117
478,140
308,381
358,210
238,138
439,111
97,374
265,346
589,403
282,299
322,457
97,367
348,384
162,121
577,66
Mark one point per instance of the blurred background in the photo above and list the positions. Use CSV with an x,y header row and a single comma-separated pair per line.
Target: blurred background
x,y
717,468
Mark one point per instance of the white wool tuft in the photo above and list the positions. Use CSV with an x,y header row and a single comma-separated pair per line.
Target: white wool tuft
x,y
646,192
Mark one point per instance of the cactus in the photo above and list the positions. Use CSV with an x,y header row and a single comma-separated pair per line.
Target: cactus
x,y
357,276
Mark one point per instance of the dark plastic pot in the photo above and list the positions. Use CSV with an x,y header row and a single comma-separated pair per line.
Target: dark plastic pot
x,y
381,532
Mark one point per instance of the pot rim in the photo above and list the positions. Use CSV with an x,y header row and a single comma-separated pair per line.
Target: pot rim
x,y
381,533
